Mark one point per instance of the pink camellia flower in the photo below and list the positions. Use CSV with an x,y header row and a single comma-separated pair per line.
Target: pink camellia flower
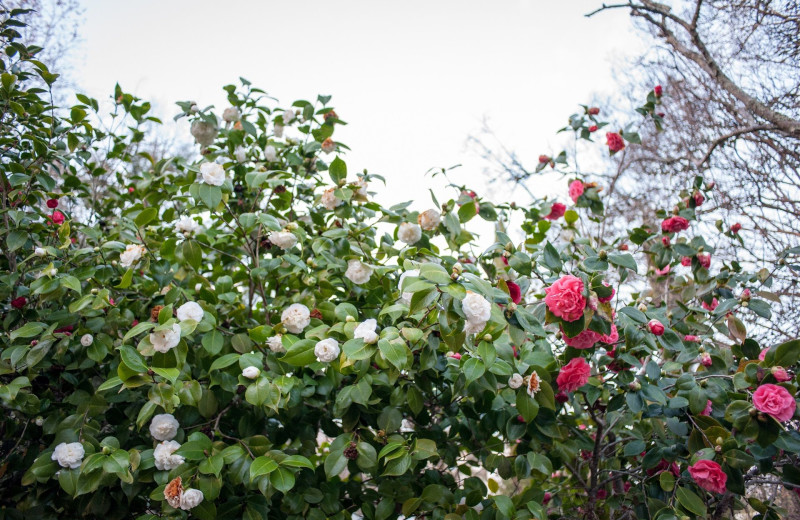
x,y
674,224
614,142
547,498
704,259
514,292
736,228
573,375
686,261
557,211
691,338
763,354
609,297
711,306
593,111
565,298
746,295
52,203
705,359
698,198
575,190
709,475
19,303
662,272
658,90
708,408
562,397
774,400
455,355
520,418
665,240
543,159
131,189
584,340
655,327
134,323
593,128
58,217
612,337
780,374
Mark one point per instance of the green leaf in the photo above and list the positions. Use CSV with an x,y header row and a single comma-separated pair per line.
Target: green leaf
x,y
282,479
145,216
28,330
297,461
132,359
526,406
786,354
435,273
395,352
262,466
223,361
473,369
337,170
127,278
622,260
193,254
551,257
691,501
301,353
138,329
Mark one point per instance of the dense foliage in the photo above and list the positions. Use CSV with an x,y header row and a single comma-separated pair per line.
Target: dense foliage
x,y
248,334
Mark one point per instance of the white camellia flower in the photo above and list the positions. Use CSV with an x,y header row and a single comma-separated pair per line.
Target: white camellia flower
x,y
278,131
406,296
164,458
429,219
275,344
327,350
296,317
213,173
231,114
362,187
251,372
366,331
164,340
358,272
477,310
515,381
288,115
68,455
191,498
283,239
409,233
270,153
190,311
473,327
164,427
197,287
187,226
240,153
204,133
131,255
87,339
329,200
40,251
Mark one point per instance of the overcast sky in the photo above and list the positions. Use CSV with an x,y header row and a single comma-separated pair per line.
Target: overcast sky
x,y
413,79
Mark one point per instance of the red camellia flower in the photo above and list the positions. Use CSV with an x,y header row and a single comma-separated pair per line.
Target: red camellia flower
x,y
698,198
674,224
593,128
575,190
666,241
614,142
711,306
704,259
557,211
612,337
52,203
709,475
547,498
686,261
658,91
594,111
562,397
736,228
573,375
774,400
514,292
623,247
543,159
58,217
19,303
689,338
586,339
565,298
655,327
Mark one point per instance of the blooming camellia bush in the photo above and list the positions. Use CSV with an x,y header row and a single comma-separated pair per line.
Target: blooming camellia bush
x,y
248,333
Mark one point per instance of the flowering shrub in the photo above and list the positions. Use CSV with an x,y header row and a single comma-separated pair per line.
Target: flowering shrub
x,y
248,333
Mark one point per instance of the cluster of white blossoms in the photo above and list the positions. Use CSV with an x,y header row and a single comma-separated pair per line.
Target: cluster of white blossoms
x,y
270,154
240,153
132,254
164,340
164,427
409,233
358,272
296,317
165,459
327,350
515,381
275,344
283,239
68,454
87,340
366,331
190,311
251,372
212,173
477,311
187,226
406,296
329,200
204,133
429,219
231,115
190,498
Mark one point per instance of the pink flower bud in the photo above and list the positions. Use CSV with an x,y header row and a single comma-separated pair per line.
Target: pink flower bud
x,y
780,374
655,327
705,359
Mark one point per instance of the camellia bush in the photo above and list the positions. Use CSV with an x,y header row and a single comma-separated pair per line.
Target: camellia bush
x,y
248,333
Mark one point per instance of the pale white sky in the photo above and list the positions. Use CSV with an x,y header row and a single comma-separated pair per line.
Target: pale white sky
x,y
413,79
